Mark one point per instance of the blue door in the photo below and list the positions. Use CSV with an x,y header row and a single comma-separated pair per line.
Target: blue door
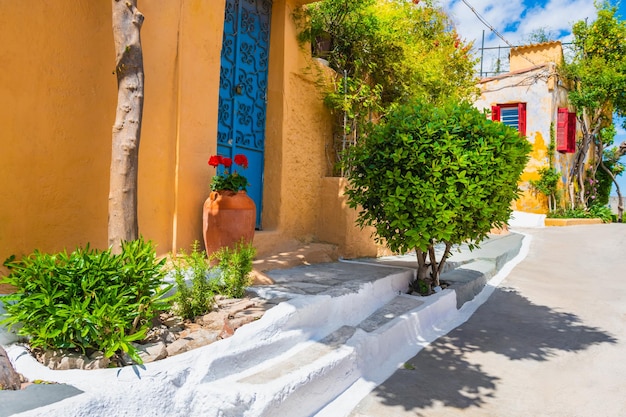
x,y
243,89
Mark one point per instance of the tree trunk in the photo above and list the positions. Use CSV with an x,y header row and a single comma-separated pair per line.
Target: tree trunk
x,y
429,271
9,379
620,207
127,21
590,125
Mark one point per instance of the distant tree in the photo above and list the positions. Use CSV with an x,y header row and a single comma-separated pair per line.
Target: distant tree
x,y
610,166
127,21
431,174
540,35
598,74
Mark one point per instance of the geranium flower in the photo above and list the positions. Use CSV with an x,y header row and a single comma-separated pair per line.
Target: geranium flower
x,y
215,160
228,181
242,160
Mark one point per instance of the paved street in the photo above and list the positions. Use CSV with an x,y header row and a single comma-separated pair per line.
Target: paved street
x,y
550,341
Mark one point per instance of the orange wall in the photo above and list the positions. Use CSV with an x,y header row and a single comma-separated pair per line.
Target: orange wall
x,y
57,109
58,106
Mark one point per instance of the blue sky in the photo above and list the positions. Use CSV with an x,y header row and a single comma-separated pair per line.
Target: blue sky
x,y
516,19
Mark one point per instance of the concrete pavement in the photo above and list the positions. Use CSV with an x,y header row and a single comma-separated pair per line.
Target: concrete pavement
x,y
550,341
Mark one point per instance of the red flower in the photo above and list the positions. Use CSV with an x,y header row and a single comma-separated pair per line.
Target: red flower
x,y
215,160
241,160
227,162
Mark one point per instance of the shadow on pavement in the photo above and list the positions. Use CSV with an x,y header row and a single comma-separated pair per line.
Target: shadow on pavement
x,y
507,324
34,396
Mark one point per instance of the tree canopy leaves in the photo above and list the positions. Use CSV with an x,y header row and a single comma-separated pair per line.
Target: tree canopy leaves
x,y
428,174
598,75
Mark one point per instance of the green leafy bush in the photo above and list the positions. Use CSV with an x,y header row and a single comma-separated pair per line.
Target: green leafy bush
x,y
603,213
198,298
430,174
577,213
198,283
547,185
235,266
88,300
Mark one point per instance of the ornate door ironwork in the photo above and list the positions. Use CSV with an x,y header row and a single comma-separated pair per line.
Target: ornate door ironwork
x,y
243,88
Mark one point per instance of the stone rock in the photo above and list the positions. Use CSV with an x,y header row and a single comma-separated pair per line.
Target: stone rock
x,y
214,320
192,341
227,330
57,359
234,305
97,360
171,335
151,352
172,321
246,316
9,378
160,333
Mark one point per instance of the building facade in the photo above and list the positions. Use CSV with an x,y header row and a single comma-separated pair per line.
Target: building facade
x,y
532,97
202,60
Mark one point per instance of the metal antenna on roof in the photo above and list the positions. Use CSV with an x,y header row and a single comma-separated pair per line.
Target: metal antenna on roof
x,y
482,53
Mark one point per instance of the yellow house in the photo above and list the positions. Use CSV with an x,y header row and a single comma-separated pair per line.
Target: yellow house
x,y
533,98
57,109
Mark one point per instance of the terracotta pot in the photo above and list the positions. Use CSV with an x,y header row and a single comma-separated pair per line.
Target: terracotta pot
x,y
228,217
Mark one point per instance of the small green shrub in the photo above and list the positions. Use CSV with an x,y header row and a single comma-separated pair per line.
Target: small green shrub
x,y
88,300
547,185
576,213
602,212
198,298
198,283
235,266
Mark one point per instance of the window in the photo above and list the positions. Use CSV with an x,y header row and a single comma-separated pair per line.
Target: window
x,y
513,115
566,131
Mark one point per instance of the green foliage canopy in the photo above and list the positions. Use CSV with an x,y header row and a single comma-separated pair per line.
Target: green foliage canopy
x,y
88,300
598,75
429,174
401,50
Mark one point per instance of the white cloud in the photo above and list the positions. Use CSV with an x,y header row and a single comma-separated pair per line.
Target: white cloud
x,y
514,19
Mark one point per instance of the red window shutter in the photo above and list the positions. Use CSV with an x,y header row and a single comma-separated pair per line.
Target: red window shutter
x,y
561,130
521,114
571,132
495,113
566,131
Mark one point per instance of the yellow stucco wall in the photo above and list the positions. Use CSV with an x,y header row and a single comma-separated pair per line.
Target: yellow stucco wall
x,y
58,106
542,100
297,127
56,112
536,54
337,223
